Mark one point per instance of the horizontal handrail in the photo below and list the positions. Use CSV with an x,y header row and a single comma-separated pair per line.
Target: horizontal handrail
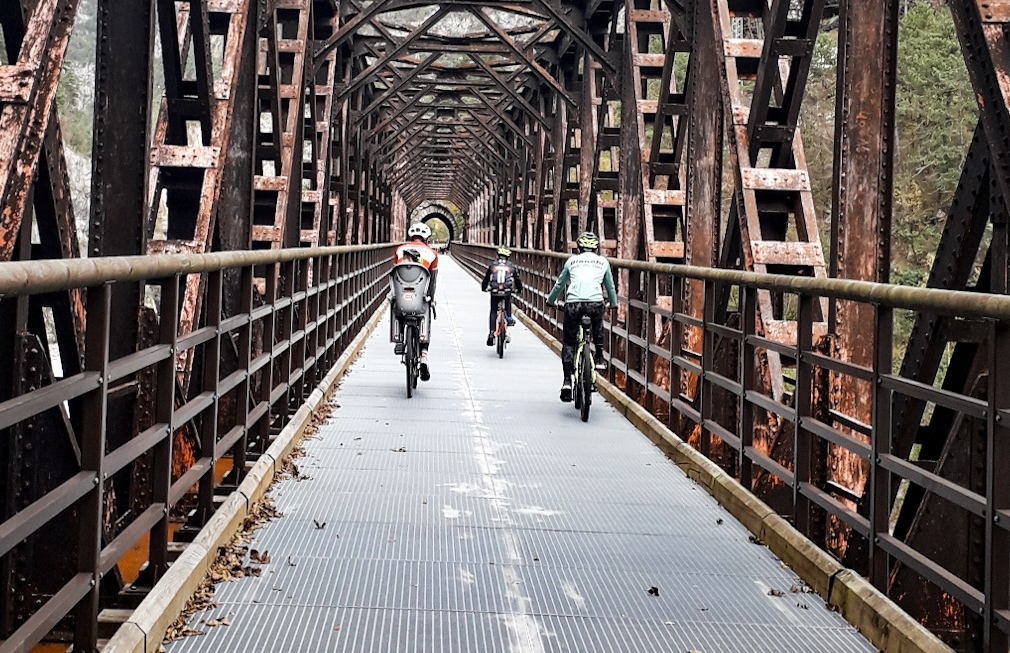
x,y
934,300
33,277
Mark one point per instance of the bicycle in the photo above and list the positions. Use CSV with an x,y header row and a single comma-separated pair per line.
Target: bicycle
x,y
585,370
584,381
411,357
413,311
501,329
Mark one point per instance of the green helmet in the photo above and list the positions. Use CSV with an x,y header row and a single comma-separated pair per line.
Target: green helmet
x,y
504,252
588,241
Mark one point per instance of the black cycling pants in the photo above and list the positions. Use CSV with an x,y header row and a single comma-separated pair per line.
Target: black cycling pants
x,y
573,316
507,298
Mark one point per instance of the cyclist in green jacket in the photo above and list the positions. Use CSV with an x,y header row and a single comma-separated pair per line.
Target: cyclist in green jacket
x,y
586,274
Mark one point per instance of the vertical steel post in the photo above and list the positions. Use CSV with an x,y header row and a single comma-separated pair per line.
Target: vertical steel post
x,y
803,446
707,351
211,378
94,412
748,378
164,414
880,444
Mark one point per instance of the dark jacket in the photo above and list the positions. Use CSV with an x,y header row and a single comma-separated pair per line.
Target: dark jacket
x,y
506,272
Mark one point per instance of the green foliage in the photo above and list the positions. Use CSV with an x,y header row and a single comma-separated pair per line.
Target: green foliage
x,y
439,231
936,112
75,120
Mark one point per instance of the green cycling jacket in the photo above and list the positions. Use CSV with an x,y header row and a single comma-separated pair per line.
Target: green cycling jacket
x,y
585,274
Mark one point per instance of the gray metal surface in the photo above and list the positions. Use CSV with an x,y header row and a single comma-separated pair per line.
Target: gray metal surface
x,y
483,515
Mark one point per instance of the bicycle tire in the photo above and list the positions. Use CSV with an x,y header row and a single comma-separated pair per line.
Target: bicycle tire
x,y
410,356
586,385
577,387
501,335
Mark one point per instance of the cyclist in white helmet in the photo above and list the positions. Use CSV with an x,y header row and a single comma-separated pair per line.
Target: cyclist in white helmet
x,y
586,274
416,250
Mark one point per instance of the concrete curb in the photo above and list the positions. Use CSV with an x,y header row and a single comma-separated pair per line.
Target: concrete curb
x,y
877,618
143,632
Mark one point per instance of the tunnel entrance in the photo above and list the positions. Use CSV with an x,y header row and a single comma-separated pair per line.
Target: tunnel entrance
x,y
437,218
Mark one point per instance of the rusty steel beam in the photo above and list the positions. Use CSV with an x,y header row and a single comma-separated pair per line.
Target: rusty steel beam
x,y
26,104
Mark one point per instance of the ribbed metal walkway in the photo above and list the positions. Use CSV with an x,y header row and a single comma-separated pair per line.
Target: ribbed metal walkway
x,y
482,515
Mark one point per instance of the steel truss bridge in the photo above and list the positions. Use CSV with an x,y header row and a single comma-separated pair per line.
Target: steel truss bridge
x,y
236,242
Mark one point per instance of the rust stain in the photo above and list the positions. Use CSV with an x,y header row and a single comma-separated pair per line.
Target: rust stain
x,y
131,564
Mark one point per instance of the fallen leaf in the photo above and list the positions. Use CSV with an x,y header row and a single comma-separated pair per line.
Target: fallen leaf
x,y
753,539
213,623
291,563
803,606
774,592
259,558
399,450
318,525
653,591
336,629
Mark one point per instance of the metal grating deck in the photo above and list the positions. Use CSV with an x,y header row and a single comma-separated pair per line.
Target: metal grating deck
x,y
506,525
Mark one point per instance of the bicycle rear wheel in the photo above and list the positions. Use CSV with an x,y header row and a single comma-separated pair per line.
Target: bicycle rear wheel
x,y
501,334
585,383
410,357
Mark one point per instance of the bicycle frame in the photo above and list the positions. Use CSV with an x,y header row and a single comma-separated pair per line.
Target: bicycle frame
x,y
581,348
501,327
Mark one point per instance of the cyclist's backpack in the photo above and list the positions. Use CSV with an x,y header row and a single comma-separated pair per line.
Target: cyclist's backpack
x,y
501,279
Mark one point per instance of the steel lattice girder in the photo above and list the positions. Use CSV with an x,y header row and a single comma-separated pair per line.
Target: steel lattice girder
x,y
322,121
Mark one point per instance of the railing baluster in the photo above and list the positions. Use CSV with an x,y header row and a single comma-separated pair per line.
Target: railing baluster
x,y
803,449
997,537
880,444
704,385
242,399
165,414
748,313
94,409
211,378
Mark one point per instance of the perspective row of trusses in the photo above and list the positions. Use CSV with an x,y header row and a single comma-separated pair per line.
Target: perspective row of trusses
x,y
450,93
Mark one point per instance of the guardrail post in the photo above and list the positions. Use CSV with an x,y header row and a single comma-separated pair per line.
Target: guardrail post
x,y
211,378
676,351
707,353
880,444
286,359
246,287
748,315
651,338
997,535
93,413
269,326
300,350
164,414
803,449
318,306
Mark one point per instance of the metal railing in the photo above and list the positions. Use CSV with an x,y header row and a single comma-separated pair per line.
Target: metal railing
x,y
703,375
298,310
